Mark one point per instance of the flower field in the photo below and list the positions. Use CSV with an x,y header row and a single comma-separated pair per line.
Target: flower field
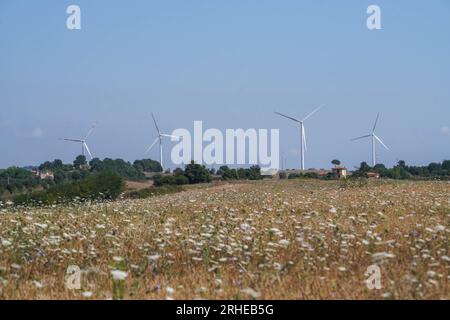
x,y
286,239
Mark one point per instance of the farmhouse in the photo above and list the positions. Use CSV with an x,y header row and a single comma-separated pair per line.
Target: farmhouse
x,y
47,175
44,175
339,171
373,175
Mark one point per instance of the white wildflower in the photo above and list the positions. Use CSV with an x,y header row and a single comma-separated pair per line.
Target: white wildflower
x,y
170,290
382,255
154,257
6,243
119,275
284,242
252,293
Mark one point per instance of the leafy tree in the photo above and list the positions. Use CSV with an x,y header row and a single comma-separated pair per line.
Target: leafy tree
x,y
399,172
16,179
381,170
336,162
402,163
243,174
96,165
120,167
54,166
79,162
311,175
61,176
102,186
435,169
181,180
228,174
197,173
446,165
159,180
178,172
148,165
364,167
254,173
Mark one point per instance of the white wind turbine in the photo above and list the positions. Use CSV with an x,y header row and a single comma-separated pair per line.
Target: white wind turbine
x,y
302,133
374,137
84,146
159,138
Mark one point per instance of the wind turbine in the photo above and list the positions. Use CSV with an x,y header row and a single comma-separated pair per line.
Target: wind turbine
x,y
159,138
374,137
302,133
84,146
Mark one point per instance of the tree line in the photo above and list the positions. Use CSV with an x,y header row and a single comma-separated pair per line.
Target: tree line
x,y
22,180
195,173
101,186
104,179
434,170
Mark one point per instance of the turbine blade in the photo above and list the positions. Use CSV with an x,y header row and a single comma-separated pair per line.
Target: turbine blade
x,y
91,130
382,143
152,145
73,140
290,118
376,121
314,111
154,120
171,136
366,136
304,138
87,149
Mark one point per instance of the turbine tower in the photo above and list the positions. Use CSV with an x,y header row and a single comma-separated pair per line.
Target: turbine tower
x,y
373,137
84,146
303,147
159,138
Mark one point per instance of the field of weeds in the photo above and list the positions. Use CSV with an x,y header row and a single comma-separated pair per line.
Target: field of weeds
x,y
265,240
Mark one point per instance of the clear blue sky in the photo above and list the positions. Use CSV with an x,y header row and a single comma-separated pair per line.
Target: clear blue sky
x,y
231,64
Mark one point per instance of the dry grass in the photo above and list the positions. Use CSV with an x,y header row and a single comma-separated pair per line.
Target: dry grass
x,y
268,240
138,185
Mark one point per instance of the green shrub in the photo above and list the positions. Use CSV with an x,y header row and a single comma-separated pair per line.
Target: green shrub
x,y
253,173
148,165
153,191
228,174
311,175
120,167
102,186
197,173
181,180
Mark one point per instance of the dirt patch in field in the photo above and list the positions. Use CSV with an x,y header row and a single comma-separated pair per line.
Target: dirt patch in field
x,y
135,185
